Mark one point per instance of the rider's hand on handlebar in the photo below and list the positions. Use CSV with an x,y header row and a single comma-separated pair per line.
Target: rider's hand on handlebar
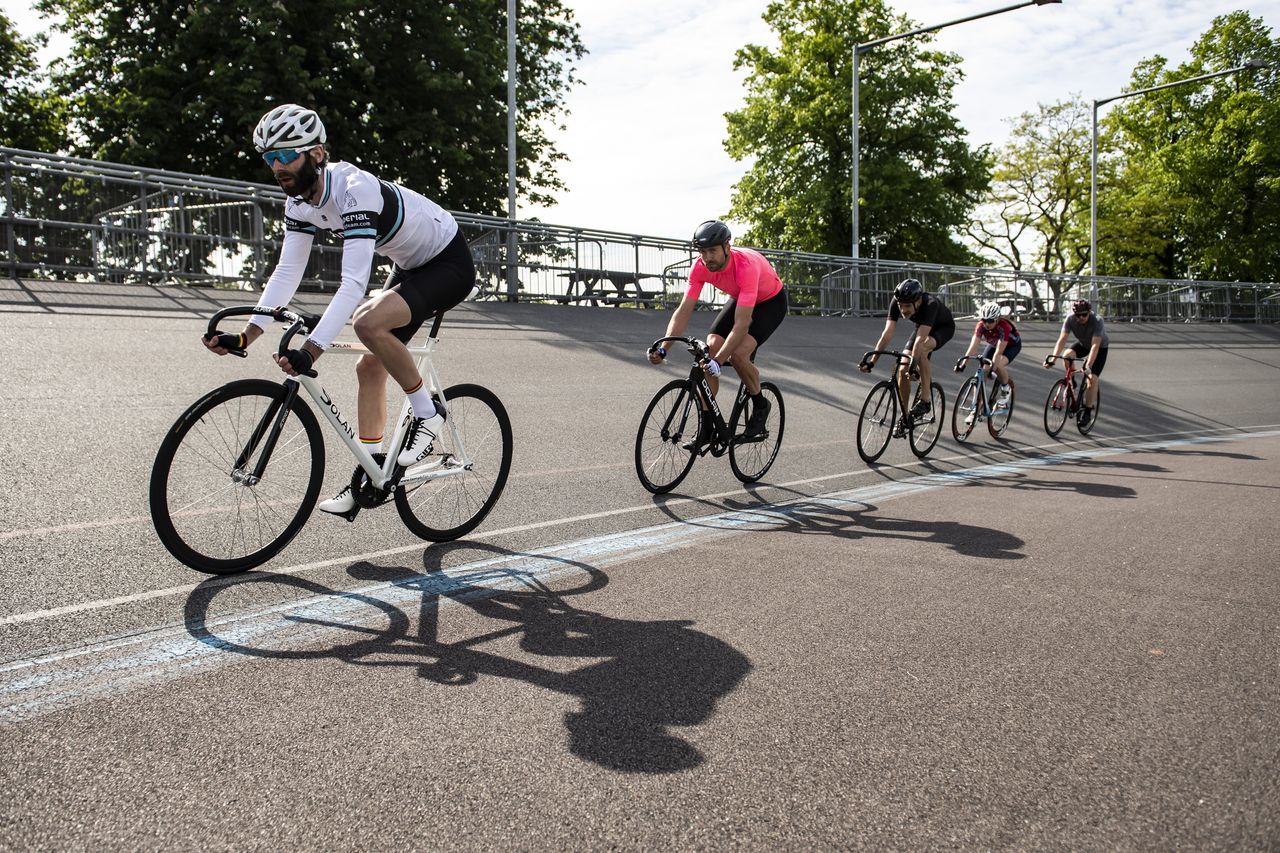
x,y
865,366
712,367
960,363
1048,361
295,361
221,343
657,355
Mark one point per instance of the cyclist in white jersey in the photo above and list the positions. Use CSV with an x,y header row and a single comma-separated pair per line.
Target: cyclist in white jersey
x,y
432,272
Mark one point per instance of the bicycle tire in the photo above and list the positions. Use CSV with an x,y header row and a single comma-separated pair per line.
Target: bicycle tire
x,y
751,460
189,492
661,463
1097,407
924,433
998,420
1055,408
967,403
449,507
876,421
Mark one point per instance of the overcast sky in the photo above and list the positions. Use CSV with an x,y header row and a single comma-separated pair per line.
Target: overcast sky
x,y
646,130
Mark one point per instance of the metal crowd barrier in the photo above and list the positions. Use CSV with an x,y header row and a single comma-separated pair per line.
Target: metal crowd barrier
x,y
84,220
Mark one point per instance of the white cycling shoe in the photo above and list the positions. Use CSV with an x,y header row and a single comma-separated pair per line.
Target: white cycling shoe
x,y
340,504
421,438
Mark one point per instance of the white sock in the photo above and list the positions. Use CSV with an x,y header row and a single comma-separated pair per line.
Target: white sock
x,y
420,401
373,445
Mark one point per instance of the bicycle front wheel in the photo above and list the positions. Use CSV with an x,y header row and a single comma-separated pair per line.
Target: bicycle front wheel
x,y
450,492
207,506
750,459
876,421
1055,408
965,414
998,421
1086,428
670,420
926,429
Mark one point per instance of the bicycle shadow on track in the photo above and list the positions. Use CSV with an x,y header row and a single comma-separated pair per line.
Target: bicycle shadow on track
x,y
649,677
855,519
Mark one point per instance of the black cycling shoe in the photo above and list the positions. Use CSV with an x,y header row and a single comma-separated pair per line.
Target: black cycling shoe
x,y
759,414
900,428
920,409
699,441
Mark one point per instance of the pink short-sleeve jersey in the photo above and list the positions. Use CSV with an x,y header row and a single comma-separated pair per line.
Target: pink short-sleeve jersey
x,y
748,278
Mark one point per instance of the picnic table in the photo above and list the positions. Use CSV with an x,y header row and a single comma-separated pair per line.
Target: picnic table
x,y
587,284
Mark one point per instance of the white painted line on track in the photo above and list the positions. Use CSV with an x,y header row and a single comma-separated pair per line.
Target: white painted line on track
x,y
147,595
105,668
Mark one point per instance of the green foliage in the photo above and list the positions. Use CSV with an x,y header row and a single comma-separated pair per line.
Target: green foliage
x,y
918,177
28,118
1192,183
415,92
1036,215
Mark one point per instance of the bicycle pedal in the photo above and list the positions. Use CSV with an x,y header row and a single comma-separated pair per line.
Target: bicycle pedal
x,y
349,515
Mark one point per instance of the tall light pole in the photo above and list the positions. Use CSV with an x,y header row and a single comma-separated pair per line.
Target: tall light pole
x,y
513,283
859,49
1093,154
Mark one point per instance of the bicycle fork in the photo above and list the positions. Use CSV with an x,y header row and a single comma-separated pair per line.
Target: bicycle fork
x,y
269,426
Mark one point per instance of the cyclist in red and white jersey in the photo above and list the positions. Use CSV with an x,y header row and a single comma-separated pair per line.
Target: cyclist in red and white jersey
x,y
432,271
1003,345
756,307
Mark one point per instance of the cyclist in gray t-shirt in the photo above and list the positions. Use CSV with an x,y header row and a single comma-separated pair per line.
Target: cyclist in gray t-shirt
x,y
1091,345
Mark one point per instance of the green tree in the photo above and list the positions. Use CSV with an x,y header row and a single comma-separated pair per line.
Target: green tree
x,y
29,117
919,178
1036,214
413,91
1193,187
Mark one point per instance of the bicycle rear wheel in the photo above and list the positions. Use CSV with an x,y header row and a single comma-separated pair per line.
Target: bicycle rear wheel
x,y
671,419
965,415
998,421
925,430
1055,408
450,492
206,507
751,459
1086,428
875,421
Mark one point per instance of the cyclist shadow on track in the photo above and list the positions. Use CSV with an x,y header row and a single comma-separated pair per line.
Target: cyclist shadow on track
x,y
649,676
854,519
1021,482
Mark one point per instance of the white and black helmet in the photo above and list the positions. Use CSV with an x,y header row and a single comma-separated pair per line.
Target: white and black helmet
x,y
288,126
990,311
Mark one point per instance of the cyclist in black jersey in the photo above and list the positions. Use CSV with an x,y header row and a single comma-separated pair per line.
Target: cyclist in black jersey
x,y
934,327
432,271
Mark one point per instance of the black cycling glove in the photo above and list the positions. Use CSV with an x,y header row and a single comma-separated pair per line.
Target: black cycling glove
x,y
299,359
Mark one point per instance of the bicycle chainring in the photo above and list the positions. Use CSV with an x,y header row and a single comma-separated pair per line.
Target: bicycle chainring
x,y
366,494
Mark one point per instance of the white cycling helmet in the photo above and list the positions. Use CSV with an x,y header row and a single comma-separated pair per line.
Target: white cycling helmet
x,y
990,311
288,126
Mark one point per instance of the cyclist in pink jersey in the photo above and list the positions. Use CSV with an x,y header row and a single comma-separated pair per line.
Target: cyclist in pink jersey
x,y
757,304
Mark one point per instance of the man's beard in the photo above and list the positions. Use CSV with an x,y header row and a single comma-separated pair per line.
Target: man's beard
x,y
304,180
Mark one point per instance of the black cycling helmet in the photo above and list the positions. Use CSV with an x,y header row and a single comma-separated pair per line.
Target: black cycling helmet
x,y
713,232
1081,306
908,291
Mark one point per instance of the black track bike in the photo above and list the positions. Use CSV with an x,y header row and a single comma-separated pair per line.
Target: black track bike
x,y
664,444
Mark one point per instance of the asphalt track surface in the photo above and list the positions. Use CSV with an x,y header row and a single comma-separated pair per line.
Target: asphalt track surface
x,y
1025,644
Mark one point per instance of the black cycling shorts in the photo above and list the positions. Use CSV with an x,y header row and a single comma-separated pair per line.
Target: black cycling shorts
x,y
1082,351
940,334
765,317
435,287
1011,350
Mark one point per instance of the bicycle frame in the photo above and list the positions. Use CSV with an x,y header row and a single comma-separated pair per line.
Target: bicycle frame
x,y
981,373
698,378
380,476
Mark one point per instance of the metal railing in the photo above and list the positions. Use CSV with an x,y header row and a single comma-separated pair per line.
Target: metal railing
x,y
85,220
